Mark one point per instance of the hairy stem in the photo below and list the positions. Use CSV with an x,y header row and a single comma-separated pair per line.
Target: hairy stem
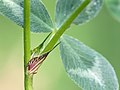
x,y
64,27
27,78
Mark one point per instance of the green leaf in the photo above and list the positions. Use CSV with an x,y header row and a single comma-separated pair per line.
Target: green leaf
x,y
65,8
40,19
87,68
114,8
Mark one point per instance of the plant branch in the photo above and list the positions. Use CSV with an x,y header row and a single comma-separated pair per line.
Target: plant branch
x,y
64,27
27,78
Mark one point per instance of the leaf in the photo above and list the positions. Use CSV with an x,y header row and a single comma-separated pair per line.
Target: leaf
x,y
40,19
65,8
114,8
87,68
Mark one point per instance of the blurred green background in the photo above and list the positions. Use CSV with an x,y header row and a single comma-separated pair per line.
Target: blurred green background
x,y
102,34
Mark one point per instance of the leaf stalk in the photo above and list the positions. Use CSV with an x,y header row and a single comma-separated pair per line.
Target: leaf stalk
x,y
64,27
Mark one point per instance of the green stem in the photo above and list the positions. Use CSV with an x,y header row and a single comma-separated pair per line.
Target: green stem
x,y
28,82
27,78
64,27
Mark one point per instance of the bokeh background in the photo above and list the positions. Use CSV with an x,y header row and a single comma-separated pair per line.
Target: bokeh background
x,y
102,34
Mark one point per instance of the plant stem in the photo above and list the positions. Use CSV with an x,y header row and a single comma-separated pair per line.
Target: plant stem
x,y
64,27
27,78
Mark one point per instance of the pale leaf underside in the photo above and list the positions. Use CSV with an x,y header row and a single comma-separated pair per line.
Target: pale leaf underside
x,y
40,19
87,68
